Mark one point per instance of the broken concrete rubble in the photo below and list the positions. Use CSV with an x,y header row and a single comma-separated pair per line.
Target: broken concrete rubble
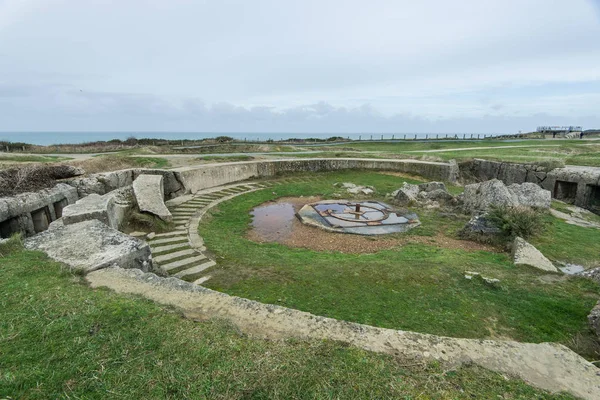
x,y
92,245
429,194
525,254
482,196
149,194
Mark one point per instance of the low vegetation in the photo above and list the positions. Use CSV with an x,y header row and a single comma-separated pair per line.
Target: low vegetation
x,y
59,339
135,221
32,177
418,286
525,222
10,245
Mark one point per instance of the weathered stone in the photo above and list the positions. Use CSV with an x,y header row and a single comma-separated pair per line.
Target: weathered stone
x,y
406,194
138,234
593,274
94,206
149,194
480,228
594,319
481,196
439,195
431,186
92,245
530,194
526,254
28,213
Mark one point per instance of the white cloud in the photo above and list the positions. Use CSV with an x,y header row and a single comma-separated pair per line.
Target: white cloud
x,y
431,59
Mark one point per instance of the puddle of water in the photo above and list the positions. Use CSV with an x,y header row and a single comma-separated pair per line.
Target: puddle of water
x,y
571,269
274,222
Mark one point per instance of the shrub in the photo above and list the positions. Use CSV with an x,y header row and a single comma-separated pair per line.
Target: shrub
x,y
517,221
137,221
7,246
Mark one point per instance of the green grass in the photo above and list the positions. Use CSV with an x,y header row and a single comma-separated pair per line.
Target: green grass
x,y
417,287
61,339
225,159
572,152
151,162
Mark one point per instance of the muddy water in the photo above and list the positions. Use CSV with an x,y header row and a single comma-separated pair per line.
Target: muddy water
x,y
572,269
274,222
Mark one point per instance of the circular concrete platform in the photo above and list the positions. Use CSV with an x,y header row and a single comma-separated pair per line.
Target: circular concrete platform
x,y
357,217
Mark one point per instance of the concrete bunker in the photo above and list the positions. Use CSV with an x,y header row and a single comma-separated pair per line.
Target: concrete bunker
x,y
593,198
59,206
9,227
41,219
565,191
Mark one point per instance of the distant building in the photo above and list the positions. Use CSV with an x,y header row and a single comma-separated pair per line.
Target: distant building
x,y
559,129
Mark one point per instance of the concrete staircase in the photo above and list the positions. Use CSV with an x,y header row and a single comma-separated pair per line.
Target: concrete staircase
x,y
181,253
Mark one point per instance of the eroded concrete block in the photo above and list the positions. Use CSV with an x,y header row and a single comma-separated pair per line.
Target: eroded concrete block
x,y
92,245
150,197
92,207
526,254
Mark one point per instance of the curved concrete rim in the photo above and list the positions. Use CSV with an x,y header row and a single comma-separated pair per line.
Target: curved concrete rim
x,y
548,366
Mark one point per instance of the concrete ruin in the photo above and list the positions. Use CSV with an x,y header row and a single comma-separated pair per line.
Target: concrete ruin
x,y
149,195
92,245
31,213
577,185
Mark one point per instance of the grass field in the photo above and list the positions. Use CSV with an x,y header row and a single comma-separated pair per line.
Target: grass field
x,y
574,152
60,339
419,287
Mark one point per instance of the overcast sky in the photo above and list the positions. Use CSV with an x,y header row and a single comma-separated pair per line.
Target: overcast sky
x,y
299,65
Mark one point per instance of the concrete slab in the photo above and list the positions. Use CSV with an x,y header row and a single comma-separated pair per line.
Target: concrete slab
x,y
92,245
149,193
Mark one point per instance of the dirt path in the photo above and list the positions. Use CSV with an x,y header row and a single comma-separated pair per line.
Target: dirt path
x,y
548,366
480,148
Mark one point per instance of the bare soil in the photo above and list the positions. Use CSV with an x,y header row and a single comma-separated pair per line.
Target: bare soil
x,y
295,234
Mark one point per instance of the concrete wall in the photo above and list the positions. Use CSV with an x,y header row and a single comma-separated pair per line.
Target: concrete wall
x,y
573,184
209,175
108,181
30,213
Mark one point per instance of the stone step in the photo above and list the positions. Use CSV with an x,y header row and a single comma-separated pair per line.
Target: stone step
x,y
168,239
173,233
194,270
183,262
188,207
182,212
198,203
200,281
168,247
182,218
173,256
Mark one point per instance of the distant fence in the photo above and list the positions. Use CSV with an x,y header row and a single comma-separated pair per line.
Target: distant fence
x,y
559,129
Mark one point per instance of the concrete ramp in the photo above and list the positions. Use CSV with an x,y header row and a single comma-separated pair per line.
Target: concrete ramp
x,y
150,196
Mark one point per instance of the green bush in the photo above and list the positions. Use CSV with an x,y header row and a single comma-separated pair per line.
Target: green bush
x,y
137,221
10,245
520,221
